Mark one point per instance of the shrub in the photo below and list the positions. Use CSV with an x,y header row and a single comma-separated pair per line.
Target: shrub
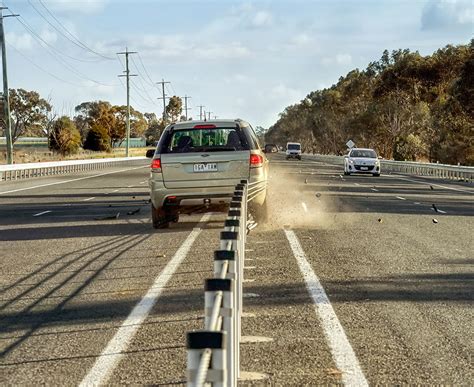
x,y
64,136
97,139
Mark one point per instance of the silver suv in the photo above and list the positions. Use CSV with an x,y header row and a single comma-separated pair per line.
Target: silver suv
x,y
197,164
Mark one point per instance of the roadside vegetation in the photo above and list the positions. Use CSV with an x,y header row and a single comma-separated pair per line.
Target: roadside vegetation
x,y
405,105
97,126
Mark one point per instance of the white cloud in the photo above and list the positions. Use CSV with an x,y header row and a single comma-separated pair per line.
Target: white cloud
x,y
261,19
338,59
22,41
301,39
178,46
49,36
74,6
447,14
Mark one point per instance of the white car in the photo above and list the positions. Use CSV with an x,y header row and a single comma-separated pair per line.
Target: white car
x,y
293,150
362,160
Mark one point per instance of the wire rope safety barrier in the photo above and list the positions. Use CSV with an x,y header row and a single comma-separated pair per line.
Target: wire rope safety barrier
x,y
213,354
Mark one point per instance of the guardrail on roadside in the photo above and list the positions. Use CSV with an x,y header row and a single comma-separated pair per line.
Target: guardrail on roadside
x,y
441,171
30,170
214,353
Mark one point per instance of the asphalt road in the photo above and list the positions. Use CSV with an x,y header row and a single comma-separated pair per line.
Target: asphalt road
x,y
385,297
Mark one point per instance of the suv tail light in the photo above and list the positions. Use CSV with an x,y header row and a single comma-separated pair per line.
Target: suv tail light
x,y
256,160
156,165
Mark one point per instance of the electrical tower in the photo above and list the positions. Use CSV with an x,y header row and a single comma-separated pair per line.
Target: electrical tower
x,y
6,94
162,83
128,75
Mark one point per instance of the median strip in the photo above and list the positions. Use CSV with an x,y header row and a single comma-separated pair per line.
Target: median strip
x,y
341,349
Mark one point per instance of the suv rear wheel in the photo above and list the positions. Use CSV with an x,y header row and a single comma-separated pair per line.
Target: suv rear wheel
x,y
160,217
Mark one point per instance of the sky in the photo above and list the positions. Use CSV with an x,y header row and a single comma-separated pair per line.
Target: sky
x,y
239,59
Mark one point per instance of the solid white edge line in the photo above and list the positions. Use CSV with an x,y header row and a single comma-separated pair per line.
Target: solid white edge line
x,y
341,349
42,213
430,183
111,355
69,181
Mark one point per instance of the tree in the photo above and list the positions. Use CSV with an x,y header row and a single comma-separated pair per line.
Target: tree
x,y
95,113
29,113
154,128
64,136
138,124
98,139
174,108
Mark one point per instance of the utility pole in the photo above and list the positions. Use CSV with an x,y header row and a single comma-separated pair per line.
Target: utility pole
x,y
128,75
215,117
209,115
6,95
186,97
200,111
162,83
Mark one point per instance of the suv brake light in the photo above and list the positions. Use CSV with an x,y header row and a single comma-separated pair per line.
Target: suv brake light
x,y
256,161
156,165
204,126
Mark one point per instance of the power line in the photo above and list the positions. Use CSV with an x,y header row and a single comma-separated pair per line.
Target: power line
x,y
146,71
55,56
76,40
41,68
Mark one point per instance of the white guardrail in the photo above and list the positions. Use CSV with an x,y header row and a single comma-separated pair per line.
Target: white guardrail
x,y
441,171
51,168
214,352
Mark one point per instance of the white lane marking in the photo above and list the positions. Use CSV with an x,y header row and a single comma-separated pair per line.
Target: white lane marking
x,y
115,190
112,354
42,213
429,183
400,197
375,189
143,182
440,211
341,349
86,200
129,186
416,203
305,208
69,181
356,184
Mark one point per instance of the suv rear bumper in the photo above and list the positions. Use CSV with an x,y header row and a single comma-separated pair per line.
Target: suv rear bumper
x,y
182,197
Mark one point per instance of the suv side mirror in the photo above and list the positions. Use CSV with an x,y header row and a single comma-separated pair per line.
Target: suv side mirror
x,y
150,153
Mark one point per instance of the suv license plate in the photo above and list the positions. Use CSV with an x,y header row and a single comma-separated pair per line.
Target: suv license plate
x,y
364,168
205,167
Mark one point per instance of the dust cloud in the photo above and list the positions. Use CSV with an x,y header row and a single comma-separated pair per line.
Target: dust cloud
x,y
297,199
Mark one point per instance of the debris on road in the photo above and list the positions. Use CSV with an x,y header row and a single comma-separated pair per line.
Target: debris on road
x,y
318,195
434,208
133,212
435,220
161,256
431,187
380,220
116,216
306,181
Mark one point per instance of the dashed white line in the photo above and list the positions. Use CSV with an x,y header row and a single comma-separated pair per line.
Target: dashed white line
x,y
440,211
86,200
115,190
356,184
305,208
111,355
341,349
375,189
400,197
42,213
71,180
433,184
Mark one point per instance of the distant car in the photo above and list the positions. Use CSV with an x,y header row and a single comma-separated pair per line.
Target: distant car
x,y
293,150
362,160
271,148
197,165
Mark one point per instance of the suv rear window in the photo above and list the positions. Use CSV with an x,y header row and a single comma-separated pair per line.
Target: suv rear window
x,y
204,140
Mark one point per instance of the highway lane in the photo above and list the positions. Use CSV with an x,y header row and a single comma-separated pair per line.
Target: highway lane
x,y
401,287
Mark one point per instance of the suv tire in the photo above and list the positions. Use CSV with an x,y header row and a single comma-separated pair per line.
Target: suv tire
x,y
159,217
